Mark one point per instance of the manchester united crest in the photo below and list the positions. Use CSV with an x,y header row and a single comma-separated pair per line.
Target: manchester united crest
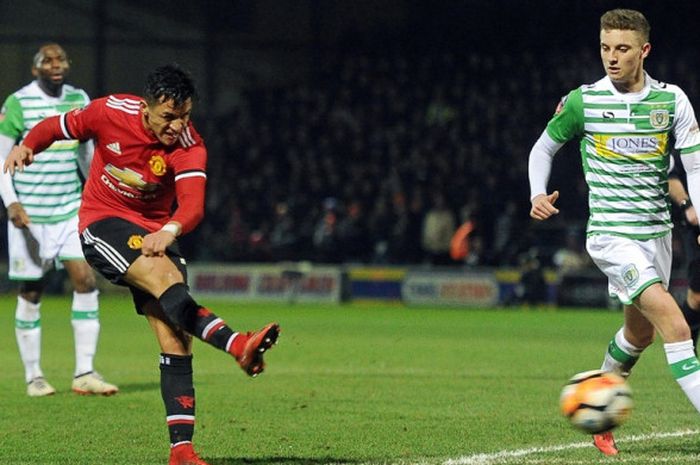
x,y
135,242
157,164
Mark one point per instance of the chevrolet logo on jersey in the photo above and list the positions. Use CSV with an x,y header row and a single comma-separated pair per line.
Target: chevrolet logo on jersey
x,y
636,147
130,178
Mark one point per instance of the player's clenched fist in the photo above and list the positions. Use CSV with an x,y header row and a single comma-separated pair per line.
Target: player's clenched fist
x,y
154,244
19,157
543,206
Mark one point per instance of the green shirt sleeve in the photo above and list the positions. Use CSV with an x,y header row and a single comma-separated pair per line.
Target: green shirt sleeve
x,y
567,122
11,118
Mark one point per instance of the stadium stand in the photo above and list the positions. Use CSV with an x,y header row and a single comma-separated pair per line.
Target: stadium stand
x,y
345,167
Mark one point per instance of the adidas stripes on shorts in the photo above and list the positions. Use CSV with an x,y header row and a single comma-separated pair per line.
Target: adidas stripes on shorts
x,y
111,245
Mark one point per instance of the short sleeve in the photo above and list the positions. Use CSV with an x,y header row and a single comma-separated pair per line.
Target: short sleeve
x,y
685,128
567,122
11,119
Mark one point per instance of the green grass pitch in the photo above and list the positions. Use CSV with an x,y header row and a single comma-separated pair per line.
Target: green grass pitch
x,y
347,384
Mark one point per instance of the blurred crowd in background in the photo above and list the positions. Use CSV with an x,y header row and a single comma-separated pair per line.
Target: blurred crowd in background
x,y
383,152
383,155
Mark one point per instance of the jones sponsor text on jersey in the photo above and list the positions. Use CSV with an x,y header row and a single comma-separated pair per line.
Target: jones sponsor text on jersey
x,y
644,146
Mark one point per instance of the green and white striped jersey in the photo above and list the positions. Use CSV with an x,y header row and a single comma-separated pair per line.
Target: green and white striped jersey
x,y
626,142
49,189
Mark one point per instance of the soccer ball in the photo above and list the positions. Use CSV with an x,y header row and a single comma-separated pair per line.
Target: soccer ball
x,y
596,401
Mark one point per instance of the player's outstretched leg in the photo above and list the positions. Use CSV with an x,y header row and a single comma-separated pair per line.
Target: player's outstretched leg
x,y
605,442
250,357
247,348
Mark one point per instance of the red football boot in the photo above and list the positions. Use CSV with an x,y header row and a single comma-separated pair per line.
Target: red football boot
x,y
605,442
184,454
257,342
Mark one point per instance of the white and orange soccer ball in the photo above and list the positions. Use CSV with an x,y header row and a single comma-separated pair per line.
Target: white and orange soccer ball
x,y
596,401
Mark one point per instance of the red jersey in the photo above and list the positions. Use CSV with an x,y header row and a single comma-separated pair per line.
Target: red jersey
x,y
133,176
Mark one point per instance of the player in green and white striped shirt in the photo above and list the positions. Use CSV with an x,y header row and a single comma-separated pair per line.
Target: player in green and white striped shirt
x,y
626,124
42,205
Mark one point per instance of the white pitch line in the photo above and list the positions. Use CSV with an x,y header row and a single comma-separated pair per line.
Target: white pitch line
x,y
505,456
604,459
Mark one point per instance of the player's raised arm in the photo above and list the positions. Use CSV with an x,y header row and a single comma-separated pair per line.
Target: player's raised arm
x,y
37,140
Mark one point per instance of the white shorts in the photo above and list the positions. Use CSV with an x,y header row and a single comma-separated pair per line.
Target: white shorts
x,y
631,265
34,250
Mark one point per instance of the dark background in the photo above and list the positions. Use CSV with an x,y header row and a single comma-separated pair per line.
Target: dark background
x,y
115,42
317,114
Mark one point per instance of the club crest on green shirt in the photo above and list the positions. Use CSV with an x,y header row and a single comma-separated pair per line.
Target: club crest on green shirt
x,y
659,118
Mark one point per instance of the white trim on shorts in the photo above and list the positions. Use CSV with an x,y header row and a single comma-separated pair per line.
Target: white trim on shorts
x,y
631,265
107,252
36,249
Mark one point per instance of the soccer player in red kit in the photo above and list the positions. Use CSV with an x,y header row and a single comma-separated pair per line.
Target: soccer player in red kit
x,y
148,156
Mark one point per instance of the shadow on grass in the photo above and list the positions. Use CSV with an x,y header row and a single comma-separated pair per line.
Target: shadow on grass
x,y
126,388
280,461
690,449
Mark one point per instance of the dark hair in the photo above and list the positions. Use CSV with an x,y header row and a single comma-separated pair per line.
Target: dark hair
x,y
169,82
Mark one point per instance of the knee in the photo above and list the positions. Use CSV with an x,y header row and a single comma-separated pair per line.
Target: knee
x,y
82,278
160,284
85,284
31,291
178,305
32,296
157,277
